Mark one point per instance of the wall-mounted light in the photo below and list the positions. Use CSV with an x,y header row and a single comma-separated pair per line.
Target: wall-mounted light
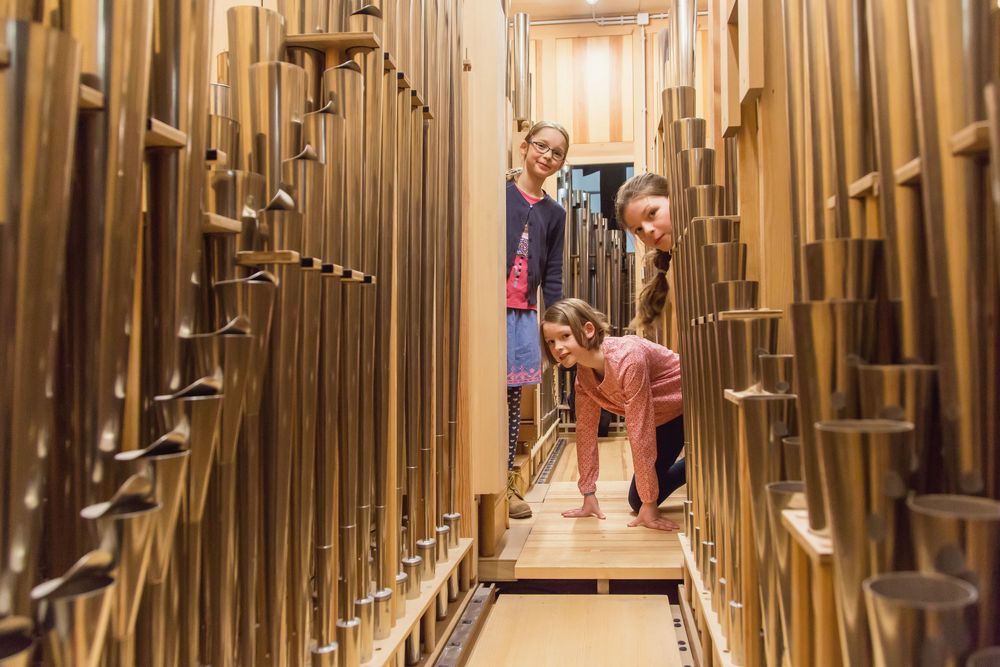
x,y
594,2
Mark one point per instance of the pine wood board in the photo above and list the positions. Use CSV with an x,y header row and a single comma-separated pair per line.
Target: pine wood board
x,y
591,548
543,630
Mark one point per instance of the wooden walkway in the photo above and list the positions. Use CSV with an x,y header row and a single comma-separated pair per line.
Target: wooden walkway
x,y
548,546
592,630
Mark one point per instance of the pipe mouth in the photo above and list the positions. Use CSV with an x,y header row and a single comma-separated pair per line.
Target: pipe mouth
x,y
786,488
956,506
937,592
868,426
88,576
793,440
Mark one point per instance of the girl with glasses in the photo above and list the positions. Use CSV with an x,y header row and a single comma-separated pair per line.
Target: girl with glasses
x,y
535,228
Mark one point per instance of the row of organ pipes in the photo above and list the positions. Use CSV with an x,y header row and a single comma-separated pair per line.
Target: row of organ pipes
x,y
275,507
882,425
597,266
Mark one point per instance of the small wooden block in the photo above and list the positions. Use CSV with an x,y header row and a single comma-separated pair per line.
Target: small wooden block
x,y
161,135
213,223
909,173
428,115
338,41
831,202
216,156
330,270
402,82
864,186
603,587
252,257
310,263
91,99
972,140
819,547
415,99
389,62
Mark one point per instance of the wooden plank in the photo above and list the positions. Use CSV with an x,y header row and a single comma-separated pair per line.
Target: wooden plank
x,y
388,61
254,257
500,566
386,649
591,548
444,628
819,547
909,173
336,41
91,99
213,223
973,140
560,630
402,81
751,48
161,135
865,186
719,645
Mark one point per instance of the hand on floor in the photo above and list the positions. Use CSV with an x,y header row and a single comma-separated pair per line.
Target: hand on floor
x,y
590,508
649,516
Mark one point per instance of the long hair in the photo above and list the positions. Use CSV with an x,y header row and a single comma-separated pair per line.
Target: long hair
x,y
653,297
574,313
532,131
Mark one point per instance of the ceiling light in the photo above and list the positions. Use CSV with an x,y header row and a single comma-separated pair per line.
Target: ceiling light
x,y
594,2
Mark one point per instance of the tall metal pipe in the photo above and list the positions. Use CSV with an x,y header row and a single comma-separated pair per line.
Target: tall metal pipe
x,y
42,72
521,83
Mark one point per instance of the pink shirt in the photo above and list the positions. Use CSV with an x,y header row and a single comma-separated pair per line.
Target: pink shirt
x,y
642,381
517,279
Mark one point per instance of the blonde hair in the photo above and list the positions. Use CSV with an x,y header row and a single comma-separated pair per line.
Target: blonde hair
x,y
574,313
547,124
653,296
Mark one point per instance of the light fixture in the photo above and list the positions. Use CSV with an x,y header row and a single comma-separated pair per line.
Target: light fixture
x,y
594,2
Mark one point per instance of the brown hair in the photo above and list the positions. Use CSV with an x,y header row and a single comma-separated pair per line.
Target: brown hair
x,y
653,296
574,313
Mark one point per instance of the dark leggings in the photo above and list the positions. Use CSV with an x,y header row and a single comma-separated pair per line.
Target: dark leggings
x,y
669,471
513,423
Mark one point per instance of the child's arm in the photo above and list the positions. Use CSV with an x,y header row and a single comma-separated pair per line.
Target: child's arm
x,y
588,416
640,422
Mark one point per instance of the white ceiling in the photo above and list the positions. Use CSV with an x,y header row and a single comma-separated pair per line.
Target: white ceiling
x,y
557,9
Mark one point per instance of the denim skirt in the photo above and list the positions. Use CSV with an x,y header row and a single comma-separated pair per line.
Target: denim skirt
x,y
524,354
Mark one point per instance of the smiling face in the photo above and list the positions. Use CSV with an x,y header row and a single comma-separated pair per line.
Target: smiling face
x,y
649,219
563,346
537,153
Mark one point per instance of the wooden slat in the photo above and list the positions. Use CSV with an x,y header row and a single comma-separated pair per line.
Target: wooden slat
x,y
338,41
500,566
865,186
251,258
719,644
161,135
909,173
751,37
388,61
690,627
91,99
213,223
817,546
402,81
560,630
972,140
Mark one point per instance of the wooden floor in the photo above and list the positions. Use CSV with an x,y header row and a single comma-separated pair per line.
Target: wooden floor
x,y
591,630
548,546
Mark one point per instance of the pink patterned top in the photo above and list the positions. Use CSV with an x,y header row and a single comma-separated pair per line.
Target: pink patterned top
x,y
642,381
517,279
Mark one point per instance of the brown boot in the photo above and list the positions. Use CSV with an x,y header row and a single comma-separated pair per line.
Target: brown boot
x,y
516,507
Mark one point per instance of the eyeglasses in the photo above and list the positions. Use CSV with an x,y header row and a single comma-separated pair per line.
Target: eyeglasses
x,y
544,148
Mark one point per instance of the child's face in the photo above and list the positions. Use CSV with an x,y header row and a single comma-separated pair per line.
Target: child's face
x,y
649,219
563,345
545,154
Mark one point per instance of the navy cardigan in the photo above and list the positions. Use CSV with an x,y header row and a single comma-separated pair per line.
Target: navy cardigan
x,y
546,229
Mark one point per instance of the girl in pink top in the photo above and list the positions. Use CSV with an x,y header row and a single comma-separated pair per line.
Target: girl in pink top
x,y
629,376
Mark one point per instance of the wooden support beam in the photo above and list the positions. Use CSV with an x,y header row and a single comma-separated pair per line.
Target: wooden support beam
x,y
161,135
909,173
91,99
213,223
973,140
865,186
255,257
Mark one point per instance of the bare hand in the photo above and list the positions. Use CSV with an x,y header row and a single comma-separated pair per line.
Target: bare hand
x,y
649,516
590,508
